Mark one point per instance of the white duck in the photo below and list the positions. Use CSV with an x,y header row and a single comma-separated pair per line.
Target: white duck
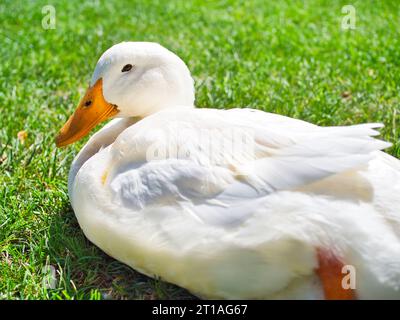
x,y
230,203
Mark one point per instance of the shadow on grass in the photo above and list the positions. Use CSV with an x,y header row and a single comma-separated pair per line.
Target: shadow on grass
x,y
85,272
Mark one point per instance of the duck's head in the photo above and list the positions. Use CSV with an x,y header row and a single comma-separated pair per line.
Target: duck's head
x,y
131,79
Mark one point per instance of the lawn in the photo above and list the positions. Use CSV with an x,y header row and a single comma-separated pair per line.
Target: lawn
x,y
287,57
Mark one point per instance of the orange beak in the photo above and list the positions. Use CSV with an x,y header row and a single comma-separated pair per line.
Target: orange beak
x,y
91,110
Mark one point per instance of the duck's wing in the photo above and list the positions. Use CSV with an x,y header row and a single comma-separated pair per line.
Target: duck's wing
x,y
299,153
217,164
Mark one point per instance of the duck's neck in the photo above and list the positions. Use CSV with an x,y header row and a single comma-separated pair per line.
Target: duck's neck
x,y
100,140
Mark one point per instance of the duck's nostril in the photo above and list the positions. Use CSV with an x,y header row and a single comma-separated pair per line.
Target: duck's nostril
x,y
88,103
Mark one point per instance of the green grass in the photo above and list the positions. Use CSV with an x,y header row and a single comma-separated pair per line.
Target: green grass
x,y
288,57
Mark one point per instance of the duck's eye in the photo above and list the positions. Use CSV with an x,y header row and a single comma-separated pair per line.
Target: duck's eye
x,y
126,68
88,103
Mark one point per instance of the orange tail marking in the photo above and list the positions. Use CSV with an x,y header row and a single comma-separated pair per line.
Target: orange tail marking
x,y
330,272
